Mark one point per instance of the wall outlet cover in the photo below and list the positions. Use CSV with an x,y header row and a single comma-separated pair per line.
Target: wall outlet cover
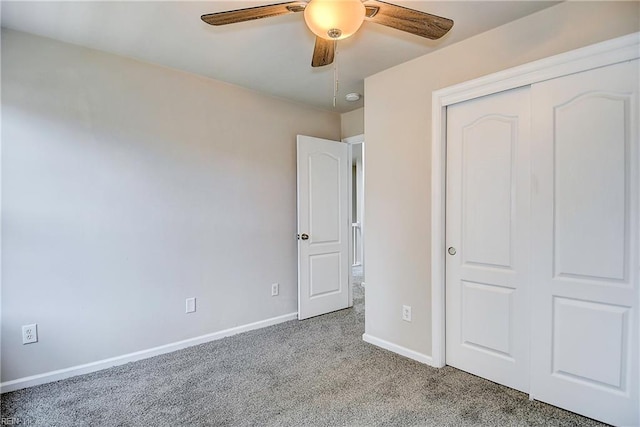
x,y
190,305
275,289
29,333
406,313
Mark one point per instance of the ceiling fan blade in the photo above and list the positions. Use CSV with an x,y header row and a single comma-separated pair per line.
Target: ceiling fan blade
x,y
408,20
323,52
251,13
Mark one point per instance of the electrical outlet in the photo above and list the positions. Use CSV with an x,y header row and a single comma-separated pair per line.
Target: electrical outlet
x,y
191,305
275,289
29,334
406,313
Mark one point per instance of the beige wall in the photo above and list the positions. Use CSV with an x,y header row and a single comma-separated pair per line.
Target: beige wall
x,y
352,123
398,129
128,187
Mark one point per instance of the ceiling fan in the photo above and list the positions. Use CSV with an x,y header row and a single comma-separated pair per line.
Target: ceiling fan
x,y
332,20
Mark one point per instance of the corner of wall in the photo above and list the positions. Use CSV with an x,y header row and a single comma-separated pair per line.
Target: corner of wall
x,y
352,123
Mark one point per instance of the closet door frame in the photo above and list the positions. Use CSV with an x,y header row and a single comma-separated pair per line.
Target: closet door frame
x,y
610,52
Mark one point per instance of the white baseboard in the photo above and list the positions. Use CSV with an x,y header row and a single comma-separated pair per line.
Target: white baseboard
x,y
403,351
73,371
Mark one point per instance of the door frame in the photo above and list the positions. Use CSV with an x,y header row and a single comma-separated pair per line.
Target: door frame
x,y
352,140
609,52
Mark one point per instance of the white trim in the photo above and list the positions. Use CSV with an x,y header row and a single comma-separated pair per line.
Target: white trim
x,y
73,371
438,243
403,351
597,55
613,51
353,140
350,219
357,139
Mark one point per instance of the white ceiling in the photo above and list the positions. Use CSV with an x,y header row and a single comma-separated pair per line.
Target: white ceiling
x,y
271,55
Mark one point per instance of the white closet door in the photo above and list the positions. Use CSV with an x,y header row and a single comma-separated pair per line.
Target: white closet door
x,y
487,236
585,243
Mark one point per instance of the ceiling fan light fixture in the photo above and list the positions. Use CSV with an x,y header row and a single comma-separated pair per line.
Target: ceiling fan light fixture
x,y
334,19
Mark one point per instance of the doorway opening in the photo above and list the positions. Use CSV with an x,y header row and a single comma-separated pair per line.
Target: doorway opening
x,y
356,189
357,204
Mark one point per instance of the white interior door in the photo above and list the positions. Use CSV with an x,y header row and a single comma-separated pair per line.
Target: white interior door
x,y
323,226
487,228
585,255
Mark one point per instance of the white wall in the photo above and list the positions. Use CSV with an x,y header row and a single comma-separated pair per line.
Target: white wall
x,y
128,187
352,123
398,130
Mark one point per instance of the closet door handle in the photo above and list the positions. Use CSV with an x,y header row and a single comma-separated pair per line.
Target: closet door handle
x,y
451,250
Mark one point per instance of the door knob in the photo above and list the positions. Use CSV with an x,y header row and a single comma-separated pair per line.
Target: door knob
x,y
304,236
451,250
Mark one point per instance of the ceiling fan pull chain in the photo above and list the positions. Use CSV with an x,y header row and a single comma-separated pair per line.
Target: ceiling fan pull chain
x,y
335,74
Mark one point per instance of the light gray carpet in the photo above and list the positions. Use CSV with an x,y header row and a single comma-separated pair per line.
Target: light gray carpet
x,y
317,372
358,274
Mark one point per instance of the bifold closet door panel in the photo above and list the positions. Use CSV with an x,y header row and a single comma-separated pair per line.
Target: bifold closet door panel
x,y
488,187
585,228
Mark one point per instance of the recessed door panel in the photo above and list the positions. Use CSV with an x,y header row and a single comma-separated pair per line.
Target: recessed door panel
x,y
486,317
591,195
324,274
324,197
487,187
487,233
590,342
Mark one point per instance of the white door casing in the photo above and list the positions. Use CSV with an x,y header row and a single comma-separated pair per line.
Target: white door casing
x,y
488,228
357,242
585,238
323,216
